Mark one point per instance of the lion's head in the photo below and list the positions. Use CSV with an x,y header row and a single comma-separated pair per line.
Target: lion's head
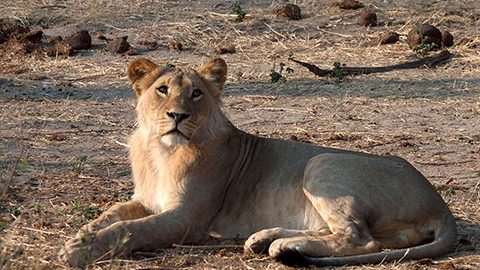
x,y
179,106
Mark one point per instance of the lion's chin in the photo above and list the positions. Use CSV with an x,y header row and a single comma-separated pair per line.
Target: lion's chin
x,y
174,139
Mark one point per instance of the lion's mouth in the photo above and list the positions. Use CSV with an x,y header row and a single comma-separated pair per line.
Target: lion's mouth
x,y
175,131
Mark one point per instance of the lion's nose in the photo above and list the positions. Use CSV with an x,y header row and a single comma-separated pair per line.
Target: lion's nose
x,y
178,117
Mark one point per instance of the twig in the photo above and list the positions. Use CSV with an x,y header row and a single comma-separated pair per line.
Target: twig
x,y
444,163
274,31
335,33
39,231
430,61
207,246
226,15
13,172
122,144
280,109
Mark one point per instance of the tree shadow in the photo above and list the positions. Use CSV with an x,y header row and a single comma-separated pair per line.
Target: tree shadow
x,y
361,87
354,87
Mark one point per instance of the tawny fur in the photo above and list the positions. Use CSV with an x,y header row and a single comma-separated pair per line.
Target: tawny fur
x,y
196,174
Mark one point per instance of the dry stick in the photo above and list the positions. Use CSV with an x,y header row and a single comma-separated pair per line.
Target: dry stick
x,y
430,61
207,246
444,163
13,172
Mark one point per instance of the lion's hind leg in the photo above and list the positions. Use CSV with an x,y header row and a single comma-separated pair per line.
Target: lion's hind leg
x,y
336,244
260,241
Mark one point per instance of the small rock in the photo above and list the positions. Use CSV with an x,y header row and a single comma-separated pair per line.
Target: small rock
x,y
118,45
151,45
424,34
368,17
11,27
33,37
176,46
225,50
80,40
447,39
389,38
349,4
290,11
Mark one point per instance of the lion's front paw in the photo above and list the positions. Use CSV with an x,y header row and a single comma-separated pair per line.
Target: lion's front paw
x,y
78,252
89,247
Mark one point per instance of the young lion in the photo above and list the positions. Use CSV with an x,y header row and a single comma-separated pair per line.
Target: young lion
x,y
195,173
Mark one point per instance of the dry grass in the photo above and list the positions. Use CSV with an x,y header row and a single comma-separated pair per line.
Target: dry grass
x,y
74,114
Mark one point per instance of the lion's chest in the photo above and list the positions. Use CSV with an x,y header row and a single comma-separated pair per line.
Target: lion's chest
x,y
159,185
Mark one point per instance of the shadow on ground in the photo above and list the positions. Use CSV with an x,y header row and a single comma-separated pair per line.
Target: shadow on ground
x,y
361,87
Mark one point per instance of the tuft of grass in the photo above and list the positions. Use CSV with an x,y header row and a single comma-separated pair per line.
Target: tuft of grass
x,y
424,49
3,225
276,76
84,213
15,211
35,208
79,163
237,9
238,75
22,165
338,73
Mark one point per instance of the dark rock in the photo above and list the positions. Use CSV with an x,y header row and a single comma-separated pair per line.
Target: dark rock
x,y
225,49
349,4
80,40
424,34
290,11
118,45
33,37
11,27
368,17
447,39
389,38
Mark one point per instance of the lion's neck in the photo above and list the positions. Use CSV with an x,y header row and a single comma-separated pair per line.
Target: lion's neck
x,y
161,172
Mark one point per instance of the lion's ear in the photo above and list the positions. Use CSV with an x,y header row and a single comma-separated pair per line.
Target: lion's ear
x,y
137,70
215,72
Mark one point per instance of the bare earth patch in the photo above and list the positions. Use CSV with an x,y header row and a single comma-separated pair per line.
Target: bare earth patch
x,y
72,115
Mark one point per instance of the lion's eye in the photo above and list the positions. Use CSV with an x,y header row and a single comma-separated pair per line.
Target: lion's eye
x,y
196,93
162,89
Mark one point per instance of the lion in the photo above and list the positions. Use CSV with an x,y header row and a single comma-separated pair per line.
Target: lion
x,y
196,174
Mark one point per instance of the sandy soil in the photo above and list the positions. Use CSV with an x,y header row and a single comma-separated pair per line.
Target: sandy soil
x,y
67,120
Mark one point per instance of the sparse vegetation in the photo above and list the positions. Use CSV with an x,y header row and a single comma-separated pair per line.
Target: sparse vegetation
x,y
79,163
84,213
281,74
43,101
236,8
339,75
3,225
424,49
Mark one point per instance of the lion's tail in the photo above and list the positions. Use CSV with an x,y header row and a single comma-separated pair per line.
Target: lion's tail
x,y
445,241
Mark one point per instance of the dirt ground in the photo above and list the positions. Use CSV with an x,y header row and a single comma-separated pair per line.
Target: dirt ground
x,y
64,121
